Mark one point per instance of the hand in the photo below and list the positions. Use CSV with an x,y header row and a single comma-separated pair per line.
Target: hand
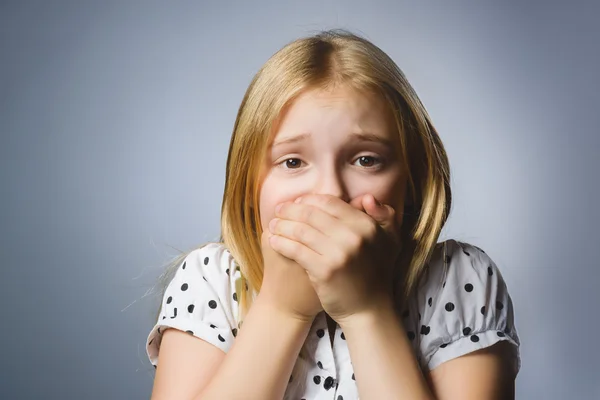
x,y
286,284
348,254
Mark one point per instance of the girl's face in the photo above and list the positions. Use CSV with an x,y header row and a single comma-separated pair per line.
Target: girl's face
x,y
339,143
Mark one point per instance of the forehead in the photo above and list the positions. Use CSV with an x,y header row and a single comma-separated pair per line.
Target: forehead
x,y
342,109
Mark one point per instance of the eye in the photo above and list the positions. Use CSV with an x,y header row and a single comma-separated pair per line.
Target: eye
x,y
291,163
370,161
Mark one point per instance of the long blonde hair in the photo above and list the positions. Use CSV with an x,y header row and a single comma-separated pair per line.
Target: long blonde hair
x,y
327,59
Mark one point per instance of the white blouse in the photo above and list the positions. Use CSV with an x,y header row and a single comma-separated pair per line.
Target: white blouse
x,y
461,305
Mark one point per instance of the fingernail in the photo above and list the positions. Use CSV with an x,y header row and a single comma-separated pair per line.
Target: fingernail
x,y
298,200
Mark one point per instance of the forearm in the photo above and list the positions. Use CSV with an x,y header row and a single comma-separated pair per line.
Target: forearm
x,y
260,362
382,357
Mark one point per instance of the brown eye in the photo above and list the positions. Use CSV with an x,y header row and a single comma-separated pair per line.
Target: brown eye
x,y
292,163
368,161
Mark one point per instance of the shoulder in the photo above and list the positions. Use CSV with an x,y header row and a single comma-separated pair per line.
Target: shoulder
x,y
200,299
212,262
463,305
208,274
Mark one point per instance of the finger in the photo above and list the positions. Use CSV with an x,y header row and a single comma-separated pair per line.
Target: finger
x,y
383,214
296,251
317,218
302,233
337,208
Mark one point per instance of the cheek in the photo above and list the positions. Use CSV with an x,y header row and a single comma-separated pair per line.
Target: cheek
x,y
274,192
270,196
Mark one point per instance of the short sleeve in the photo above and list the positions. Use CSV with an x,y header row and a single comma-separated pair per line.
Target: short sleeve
x,y
465,308
200,299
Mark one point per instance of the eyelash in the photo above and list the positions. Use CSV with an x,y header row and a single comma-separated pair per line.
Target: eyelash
x,y
376,159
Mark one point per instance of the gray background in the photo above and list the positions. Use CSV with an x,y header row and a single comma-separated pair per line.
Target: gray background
x,y
115,119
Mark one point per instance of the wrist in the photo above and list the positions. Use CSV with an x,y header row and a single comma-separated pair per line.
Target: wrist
x,y
273,307
366,318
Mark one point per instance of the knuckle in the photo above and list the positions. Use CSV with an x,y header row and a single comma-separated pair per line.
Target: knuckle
x,y
307,214
300,232
371,229
340,259
355,241
294,250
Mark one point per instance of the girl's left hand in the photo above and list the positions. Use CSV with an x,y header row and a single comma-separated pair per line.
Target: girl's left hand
x,y
348,254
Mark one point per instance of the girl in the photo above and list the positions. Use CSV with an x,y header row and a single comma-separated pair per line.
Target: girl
x,y
337,188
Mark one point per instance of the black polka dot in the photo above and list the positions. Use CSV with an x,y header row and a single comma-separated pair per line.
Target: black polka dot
x,y
227,271
500,334
191,308
353,378
430,301
184,287
212,326
154,366
158,330
444,285
190,332
425,330
340,397
235,297
474,338
499,305
205,260
411,335
203,277
343,336
150,342
329,382
490,272
320,364
469,287
483,310
317,379
174,313
466,331
449,306
183,266
234,332
320,333
212,304
443,346
169,300
164,316
221,338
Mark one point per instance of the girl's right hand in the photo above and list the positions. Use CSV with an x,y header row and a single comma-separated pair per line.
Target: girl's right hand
x,y
287,285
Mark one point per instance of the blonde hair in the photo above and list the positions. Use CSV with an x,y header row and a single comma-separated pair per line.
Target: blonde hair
x,y
323,61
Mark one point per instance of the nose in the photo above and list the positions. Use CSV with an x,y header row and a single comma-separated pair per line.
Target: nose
x,y
331,182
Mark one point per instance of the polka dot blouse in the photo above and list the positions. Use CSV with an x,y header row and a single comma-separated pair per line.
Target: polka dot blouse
x,y
461,305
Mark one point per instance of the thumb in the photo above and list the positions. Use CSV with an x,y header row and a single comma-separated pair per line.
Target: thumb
x,y
383,214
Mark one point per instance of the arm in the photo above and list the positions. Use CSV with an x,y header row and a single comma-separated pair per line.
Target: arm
x,y
382,357
269,339
379,339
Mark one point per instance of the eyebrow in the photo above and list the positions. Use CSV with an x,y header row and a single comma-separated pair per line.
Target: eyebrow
x,y
358,136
